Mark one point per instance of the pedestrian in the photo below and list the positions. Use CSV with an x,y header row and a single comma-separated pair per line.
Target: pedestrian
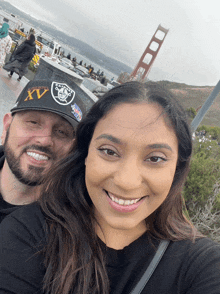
x,y
5,43
112,206
74,61
22,57
39,131
91,70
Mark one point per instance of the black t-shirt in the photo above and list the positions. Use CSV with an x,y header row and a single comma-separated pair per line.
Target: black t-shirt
x,y
5,207
185,268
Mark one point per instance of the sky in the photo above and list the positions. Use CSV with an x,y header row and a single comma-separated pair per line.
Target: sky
x,y
122,29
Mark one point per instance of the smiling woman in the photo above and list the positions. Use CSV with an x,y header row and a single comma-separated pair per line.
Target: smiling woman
x,y
105,208
130,167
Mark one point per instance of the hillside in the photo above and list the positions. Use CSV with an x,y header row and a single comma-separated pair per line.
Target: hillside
x,y
193,96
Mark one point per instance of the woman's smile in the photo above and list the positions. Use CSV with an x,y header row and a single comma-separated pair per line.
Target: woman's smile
x,y
123,205
122,201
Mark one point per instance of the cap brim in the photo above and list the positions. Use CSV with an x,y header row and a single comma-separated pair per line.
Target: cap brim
x,y
72,121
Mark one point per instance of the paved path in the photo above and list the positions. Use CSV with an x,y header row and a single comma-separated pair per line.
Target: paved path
x,y
10,88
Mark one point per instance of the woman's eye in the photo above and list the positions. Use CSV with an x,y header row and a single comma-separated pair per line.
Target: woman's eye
x,y
108,152
156,159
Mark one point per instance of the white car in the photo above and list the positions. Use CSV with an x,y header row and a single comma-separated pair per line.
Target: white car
x,y
67,63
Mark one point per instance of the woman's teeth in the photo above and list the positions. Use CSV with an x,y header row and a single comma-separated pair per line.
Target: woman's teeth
x,y
37,156
121,201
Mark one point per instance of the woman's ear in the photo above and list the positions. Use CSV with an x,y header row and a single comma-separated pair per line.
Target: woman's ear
x,y
6,124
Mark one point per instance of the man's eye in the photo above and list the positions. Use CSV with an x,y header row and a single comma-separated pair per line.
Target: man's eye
x,y
62,133
32,123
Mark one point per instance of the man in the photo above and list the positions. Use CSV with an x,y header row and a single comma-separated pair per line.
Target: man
x,y
37,133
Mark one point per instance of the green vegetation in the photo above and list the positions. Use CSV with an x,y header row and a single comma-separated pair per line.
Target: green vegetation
x,y
214,132
202,188
191,112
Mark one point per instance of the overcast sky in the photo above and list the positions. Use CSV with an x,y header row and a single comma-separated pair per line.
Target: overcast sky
x,y
122,29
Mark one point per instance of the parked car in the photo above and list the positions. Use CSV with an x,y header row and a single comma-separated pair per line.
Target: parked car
x,y
67,63
94,86
82,71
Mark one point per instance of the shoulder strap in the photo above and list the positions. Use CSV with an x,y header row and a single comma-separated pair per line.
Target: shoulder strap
x,y
151,268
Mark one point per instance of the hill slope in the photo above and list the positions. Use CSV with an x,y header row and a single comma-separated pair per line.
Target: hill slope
x,y
194,96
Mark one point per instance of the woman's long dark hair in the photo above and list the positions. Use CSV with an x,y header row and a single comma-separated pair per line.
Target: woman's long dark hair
x,y
73,257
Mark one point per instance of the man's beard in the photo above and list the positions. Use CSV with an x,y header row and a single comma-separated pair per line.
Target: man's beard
x,y
34,175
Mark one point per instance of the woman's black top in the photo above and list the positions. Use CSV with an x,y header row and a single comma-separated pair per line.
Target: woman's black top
x,y
185,268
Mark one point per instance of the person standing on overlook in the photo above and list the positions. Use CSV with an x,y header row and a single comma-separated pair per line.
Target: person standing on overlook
x,y
5,43
21,58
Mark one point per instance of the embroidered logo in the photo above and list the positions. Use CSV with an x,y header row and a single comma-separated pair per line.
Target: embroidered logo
x,y
62,93
76,111
40,91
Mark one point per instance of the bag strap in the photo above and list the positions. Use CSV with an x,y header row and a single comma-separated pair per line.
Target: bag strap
x,y
151,268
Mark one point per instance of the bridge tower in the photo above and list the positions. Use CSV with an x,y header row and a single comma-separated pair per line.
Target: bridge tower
x,y
146,61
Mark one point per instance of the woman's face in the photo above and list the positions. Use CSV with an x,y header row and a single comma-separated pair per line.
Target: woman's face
x,y
130,165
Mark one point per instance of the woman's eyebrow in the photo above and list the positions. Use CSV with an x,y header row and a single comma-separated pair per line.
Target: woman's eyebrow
x,y
110,138
159,146
117,141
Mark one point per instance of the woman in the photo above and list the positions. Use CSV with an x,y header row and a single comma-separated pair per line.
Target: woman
x,y
106,207
5,43
21,58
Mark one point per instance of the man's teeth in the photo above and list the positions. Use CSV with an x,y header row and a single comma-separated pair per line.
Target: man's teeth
x,y
123,202
37,156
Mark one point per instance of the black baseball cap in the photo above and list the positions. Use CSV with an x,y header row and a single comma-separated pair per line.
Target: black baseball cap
x,y
52,96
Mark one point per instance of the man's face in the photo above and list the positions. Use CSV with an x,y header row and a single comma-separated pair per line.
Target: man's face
x,y
33,141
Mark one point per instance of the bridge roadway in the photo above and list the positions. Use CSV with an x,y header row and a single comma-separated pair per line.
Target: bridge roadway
x,y
10,88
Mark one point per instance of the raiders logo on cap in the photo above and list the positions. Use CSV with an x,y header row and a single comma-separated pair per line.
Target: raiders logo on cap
x,y
62,93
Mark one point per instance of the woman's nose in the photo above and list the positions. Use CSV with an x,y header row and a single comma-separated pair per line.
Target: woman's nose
x,y
129,176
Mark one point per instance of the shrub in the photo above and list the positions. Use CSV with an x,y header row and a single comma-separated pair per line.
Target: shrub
x,y
202,188
191,112
214,132
207,221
